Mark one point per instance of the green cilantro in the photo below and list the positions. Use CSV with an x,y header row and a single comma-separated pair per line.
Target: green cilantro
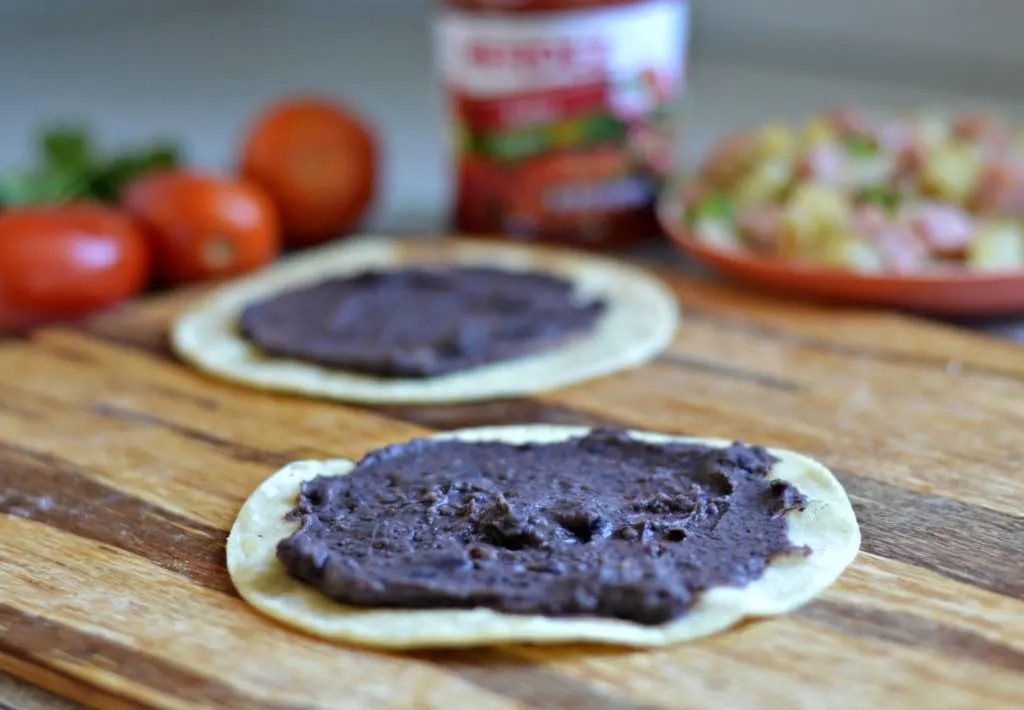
x,y
860,147
70,169
108,179
716,207
885,196
44,187
67,148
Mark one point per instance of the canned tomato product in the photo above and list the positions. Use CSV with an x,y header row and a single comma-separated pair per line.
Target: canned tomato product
x,y
561,114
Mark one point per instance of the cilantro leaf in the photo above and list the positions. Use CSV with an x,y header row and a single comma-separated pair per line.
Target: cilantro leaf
x,y
66,148
860,146
107,181
42,188
70,169
716,207
885,196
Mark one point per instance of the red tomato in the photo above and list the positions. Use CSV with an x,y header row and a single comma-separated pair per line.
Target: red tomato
x,y
318,162
202,226
59,263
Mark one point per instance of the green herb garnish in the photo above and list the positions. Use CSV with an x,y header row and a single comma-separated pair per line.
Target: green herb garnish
x,y
885,196
716,207
71,169
44,187
108,179
860,147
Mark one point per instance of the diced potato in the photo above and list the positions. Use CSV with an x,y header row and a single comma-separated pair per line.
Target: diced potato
x,y
813,216
776,142
997,246
933,130
951,172
813,208
847,251
837,248
794,243
763,184
717,233
816,131
870,171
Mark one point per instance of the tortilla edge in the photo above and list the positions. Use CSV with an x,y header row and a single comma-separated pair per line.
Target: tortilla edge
x,y
827,525
641,321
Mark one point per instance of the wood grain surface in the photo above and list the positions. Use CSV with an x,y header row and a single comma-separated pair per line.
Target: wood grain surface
x,y
121,472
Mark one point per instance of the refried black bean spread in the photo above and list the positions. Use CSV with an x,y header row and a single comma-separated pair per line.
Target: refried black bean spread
x,y
420,322
600,525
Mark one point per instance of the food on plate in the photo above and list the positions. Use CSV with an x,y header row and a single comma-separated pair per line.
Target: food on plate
x,y
852,191
422,321
999,243
541,534
318,162
60,263
71,169
202,226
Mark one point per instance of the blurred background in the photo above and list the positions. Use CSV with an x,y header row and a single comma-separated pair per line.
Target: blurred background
x,y
198,71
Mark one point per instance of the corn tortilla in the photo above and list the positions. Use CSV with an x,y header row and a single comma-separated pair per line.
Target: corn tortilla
x,y
827,525
639,322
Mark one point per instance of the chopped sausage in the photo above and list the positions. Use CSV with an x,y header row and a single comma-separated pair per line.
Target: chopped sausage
x,y
847,121
823,165
1000,190
731,157
902,250
911,158
894,136
978,127
945,229
869,220
693,193
761,228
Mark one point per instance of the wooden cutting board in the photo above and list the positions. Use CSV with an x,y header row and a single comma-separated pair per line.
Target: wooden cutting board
x,y
121,471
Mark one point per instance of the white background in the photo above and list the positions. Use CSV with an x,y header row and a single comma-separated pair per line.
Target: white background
x,y
199,69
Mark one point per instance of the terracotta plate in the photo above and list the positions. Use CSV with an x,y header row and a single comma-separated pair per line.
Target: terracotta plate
x,y
948,294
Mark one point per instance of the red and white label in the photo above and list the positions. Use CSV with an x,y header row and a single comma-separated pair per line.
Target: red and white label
x,y
490,55
559,116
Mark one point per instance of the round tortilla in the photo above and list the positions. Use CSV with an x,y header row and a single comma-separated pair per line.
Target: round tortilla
x,y
827,525
639,322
